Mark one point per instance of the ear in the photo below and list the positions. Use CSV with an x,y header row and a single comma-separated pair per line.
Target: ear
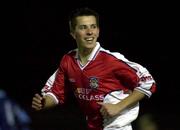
x,y
73,35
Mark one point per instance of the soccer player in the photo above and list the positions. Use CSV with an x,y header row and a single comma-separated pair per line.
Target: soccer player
x,y
107,86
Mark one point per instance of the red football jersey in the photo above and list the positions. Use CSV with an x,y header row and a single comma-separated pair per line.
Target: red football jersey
x,y
104,73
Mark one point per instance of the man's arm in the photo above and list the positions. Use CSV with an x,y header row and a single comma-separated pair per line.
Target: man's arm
x,y
42,102
110,110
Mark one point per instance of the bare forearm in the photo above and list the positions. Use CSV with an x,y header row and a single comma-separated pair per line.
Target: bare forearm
x,y
131,100
49,101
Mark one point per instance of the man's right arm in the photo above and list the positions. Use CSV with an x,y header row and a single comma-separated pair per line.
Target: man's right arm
x,y
41,102
53,91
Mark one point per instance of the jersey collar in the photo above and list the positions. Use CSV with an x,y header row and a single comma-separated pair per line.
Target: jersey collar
x,y
93,53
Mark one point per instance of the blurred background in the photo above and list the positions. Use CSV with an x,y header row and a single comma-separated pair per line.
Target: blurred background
x,y
35,35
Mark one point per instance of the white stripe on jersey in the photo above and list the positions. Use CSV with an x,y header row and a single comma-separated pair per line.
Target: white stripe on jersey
x,y
144,86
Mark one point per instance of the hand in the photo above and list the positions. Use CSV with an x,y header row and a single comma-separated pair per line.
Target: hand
x,y
37,102
108,110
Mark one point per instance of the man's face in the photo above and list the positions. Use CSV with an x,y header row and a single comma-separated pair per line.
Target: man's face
x,y
86,32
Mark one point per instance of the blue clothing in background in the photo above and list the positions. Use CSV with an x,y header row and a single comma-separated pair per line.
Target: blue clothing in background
x,y
12,117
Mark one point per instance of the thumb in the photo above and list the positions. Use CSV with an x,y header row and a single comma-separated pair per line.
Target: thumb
x,y
100,103
38,96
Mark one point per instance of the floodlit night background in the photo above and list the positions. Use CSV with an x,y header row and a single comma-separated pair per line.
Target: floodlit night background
x,y
36,35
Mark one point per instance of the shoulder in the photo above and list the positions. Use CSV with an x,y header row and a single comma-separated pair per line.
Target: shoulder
x,y
113,55
69,55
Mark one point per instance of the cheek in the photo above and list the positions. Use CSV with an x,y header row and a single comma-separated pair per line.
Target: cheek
x,y
76,35
79,35
97,33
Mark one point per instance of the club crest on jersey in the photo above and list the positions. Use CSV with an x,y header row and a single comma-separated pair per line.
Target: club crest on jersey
x,y
93,82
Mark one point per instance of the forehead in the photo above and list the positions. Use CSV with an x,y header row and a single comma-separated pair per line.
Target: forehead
x,y
86,20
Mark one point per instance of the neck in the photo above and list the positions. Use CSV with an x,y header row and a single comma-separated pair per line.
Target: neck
x,y
85,52
84,55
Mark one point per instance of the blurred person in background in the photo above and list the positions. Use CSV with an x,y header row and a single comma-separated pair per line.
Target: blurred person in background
x,y
12,116
147,122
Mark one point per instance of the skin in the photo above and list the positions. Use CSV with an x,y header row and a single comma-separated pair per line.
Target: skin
x,y
86,34
42,102
109,110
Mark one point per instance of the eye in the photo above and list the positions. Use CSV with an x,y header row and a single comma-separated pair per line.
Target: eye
x,y
93,26
81,27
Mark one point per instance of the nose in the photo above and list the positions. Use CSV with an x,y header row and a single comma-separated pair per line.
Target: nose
x,y
89,32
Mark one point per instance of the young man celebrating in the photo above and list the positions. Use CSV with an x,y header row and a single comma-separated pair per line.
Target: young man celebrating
x,y
107,86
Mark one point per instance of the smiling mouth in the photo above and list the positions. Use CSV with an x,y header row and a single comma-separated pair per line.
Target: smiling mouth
x,y
89,39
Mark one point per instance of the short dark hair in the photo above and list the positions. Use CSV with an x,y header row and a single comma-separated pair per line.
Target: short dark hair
x,y
85,11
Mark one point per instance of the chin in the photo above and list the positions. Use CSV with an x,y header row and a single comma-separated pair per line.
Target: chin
x,y
93,44
90,46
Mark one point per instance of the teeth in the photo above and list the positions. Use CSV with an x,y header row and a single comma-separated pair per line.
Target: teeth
x,y
89,39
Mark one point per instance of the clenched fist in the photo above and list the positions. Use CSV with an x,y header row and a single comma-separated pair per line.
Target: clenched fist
x,y
37,102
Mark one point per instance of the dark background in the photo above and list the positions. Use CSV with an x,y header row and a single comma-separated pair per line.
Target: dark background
x,y
35,36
